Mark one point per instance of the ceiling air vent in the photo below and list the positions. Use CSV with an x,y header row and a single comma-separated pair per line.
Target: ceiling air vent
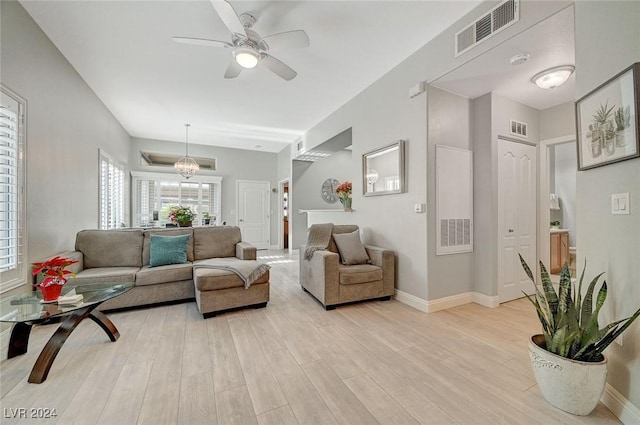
x,y
500,17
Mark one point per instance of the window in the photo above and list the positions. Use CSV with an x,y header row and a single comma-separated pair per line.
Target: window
x,y
155,193
112,193
12,191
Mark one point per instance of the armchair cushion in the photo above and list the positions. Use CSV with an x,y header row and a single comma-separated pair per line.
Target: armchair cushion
x,y
351,249
360,273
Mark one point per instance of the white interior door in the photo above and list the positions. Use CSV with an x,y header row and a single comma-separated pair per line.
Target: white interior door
x,y
253,212
516,217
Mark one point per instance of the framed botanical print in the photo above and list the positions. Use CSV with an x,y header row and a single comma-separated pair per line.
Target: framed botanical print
x,y
607,121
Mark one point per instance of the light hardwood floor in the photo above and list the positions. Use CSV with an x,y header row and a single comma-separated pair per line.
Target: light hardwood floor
x,y
292,363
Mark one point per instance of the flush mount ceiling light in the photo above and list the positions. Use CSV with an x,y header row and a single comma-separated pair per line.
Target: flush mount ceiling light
x,y
553,77
187,166
246,57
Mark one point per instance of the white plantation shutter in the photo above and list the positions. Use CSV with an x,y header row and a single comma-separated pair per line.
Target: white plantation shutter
x,y
112,193
160,191
12,223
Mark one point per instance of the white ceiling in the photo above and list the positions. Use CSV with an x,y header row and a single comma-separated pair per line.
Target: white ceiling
x,y
550,43
152,85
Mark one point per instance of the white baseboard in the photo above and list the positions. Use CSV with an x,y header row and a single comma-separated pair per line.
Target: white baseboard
x,y
486,300
4,343
620,406
449,302
431,306
411,300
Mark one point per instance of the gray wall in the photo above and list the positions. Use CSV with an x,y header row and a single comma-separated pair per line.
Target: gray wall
x,y
306,188
66,126
449,120
610,243
557,121
233,165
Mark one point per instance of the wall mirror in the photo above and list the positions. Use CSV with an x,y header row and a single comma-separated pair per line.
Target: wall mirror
x,y
383,170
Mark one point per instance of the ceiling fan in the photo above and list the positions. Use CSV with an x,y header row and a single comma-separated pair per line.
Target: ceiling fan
x,y
249,48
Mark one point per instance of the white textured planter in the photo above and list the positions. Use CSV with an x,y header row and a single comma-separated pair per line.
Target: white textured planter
x,y
570,385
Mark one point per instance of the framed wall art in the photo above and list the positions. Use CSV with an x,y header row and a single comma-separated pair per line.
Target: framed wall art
x,y
607,121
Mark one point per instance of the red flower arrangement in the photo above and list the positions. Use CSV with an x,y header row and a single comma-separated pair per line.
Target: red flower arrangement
x,y
54,270
344,190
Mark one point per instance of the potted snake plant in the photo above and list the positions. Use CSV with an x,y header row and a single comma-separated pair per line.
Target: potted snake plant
x,y
567,358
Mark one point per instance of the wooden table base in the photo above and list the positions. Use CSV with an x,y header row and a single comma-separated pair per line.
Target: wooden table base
x,y
21,331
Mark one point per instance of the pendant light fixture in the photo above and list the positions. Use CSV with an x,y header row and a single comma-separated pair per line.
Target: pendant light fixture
x,y
187,166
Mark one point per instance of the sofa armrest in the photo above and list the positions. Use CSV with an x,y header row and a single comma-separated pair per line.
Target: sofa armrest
x,y
385,259
319,275
246,251
72,255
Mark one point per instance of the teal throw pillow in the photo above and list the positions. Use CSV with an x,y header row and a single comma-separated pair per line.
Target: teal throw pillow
x,y
165,250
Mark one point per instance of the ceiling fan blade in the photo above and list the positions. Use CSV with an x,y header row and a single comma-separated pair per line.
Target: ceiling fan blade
x,y
233,70
278,67
229,17
201,42
288,39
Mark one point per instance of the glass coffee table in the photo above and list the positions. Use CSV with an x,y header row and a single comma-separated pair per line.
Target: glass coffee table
x,y
26,310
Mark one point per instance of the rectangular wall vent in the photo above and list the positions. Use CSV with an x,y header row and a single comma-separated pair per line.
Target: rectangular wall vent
x,y
500,17
455,232
518,128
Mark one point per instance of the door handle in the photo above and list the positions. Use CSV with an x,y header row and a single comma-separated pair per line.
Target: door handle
x,y
510,230
240,219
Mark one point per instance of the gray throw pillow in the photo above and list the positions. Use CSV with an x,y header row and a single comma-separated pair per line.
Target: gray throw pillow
x,y
351,249
164,250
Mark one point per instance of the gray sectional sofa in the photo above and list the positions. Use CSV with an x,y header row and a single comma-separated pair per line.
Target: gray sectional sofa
x,y
123,256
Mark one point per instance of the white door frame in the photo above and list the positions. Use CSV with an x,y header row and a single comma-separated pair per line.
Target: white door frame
x,y
544,215
268,204
281,184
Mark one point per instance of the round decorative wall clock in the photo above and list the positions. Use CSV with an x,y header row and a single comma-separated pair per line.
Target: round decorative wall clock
x,y
329,190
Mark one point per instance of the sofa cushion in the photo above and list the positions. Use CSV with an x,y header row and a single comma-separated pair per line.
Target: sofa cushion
x,y
361,273
164,250
351,249
215,241
110,248
164,274
166,232
106,275
216,279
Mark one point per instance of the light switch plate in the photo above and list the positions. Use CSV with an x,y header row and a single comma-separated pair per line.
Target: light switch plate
x,y
620,203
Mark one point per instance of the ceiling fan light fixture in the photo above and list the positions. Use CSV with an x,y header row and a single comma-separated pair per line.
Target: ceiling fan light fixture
x,y
553,77
246,57
186,166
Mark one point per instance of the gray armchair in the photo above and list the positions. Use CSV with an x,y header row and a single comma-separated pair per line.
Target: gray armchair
x,y
333,283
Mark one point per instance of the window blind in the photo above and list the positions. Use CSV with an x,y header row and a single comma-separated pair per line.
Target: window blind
x,y
12,221
160,191
112,193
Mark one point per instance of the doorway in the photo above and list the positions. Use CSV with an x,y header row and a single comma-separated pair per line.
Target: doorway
x,y
283,240
557,204
517,182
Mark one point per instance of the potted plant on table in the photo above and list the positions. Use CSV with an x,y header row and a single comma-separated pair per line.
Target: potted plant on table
x,y
182,216
567,358
55,275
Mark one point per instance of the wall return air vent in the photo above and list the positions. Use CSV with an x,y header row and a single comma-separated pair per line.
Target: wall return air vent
x,y
500,17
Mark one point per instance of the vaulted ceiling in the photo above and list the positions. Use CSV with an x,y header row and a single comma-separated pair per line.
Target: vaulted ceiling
x,y
153,85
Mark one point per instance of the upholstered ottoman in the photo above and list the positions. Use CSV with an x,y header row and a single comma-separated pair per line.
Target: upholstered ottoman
x,y
219,289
